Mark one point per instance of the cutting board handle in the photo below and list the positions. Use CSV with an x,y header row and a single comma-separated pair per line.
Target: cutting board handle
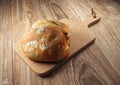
x,y
91,20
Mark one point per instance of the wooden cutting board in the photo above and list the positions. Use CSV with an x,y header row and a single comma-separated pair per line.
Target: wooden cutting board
x,y
80,38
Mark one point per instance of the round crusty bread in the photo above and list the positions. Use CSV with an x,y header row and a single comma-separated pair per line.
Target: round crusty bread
x,y
48,41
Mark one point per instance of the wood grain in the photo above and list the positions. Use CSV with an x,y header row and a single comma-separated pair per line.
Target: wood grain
x,y
6,49
97,65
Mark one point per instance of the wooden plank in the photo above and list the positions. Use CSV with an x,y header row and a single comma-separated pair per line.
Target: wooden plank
x,y
98,64
6,77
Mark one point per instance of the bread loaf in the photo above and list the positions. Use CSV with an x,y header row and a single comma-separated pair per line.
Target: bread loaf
x,y
48,41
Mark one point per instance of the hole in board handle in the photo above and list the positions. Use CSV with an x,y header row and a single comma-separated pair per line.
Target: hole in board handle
x,y
93,13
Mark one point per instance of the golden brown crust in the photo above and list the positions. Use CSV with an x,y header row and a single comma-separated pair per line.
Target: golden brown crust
x,y
48,41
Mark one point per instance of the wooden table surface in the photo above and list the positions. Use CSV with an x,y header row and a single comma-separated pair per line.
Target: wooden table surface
x,y
97,65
